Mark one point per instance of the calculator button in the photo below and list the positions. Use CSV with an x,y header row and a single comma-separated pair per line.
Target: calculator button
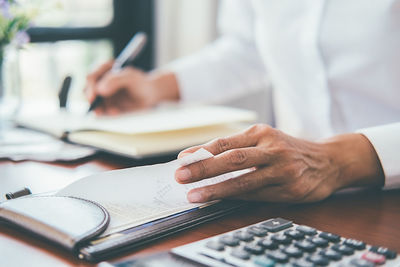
x,y
343,249
320,242
303,263
268,244
318,260
305,245
374,257
244,236
331,254
307,230
275,225
254,249
264,262
294,234
281,239
257,231
278,256
330,237
384,251
359,245
215,245
229,240
361,263
293,252
241,254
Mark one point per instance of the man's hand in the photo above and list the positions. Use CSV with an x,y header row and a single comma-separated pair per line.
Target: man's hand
x,y
129,89
285,169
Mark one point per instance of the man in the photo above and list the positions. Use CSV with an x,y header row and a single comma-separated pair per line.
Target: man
x,y
334,67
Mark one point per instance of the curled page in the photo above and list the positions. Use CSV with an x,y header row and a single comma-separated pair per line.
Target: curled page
x,y
134,196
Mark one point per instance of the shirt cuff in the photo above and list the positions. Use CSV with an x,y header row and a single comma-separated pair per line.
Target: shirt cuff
x,y
186,71
386,142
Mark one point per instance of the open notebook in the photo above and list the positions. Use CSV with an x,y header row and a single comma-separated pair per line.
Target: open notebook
x,y
141,134
134,196
106,213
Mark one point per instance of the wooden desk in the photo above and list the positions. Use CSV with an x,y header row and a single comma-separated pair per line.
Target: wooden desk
x,y
369,215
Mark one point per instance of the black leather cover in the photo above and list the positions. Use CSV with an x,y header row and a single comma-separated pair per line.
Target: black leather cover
x,y
115,244
75,223
67,221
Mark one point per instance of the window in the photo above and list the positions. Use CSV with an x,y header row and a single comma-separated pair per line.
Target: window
x,y
76,13
73,38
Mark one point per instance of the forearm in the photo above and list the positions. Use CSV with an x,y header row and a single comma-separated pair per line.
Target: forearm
x,y
228,67
356,159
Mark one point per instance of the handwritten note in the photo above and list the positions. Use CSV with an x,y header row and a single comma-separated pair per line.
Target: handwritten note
x,y
138,195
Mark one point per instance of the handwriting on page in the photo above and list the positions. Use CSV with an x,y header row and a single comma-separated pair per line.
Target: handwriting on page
x,y
138,195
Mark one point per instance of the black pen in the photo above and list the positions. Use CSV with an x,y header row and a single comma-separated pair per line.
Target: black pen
x,y
128,54
63,93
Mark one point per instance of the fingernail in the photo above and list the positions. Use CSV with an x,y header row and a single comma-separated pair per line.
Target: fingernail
x,y
184,154
183,174
194,197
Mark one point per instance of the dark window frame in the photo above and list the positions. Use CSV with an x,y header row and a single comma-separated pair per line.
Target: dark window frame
x,y
129,17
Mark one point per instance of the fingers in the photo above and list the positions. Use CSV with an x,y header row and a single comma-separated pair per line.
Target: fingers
x,y
93,77
111,83
242,139
106,109
233,187
130,79
116,104
235,152
232,160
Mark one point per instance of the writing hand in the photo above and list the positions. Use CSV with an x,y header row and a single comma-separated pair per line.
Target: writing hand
x,y
129,89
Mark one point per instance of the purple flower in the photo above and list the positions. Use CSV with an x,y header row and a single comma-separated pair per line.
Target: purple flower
x,y
21,38
5,9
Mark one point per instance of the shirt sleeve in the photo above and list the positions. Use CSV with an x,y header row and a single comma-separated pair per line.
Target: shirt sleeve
x,y
228,67
386,141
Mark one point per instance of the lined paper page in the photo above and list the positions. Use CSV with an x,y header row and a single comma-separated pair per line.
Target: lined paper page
x,y
138,195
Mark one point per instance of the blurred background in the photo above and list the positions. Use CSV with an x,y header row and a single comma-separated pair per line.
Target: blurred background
x,y
72,37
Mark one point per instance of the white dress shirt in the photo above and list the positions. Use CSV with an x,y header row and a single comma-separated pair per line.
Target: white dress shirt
x,y
334,66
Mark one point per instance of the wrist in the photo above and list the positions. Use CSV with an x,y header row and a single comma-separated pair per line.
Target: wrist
x,y
163,86
356,160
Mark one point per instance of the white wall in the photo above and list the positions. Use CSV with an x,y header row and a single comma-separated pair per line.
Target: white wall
x,y
183,27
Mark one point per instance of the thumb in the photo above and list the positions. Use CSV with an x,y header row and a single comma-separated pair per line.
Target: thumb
x,y
110,84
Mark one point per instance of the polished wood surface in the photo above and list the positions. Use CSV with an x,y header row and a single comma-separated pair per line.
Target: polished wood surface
x,y
370,215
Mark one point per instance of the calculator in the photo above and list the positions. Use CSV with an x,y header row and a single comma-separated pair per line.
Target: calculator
x,y
280,242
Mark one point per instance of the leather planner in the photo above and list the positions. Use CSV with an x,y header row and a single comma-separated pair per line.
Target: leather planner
x,y
66,221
